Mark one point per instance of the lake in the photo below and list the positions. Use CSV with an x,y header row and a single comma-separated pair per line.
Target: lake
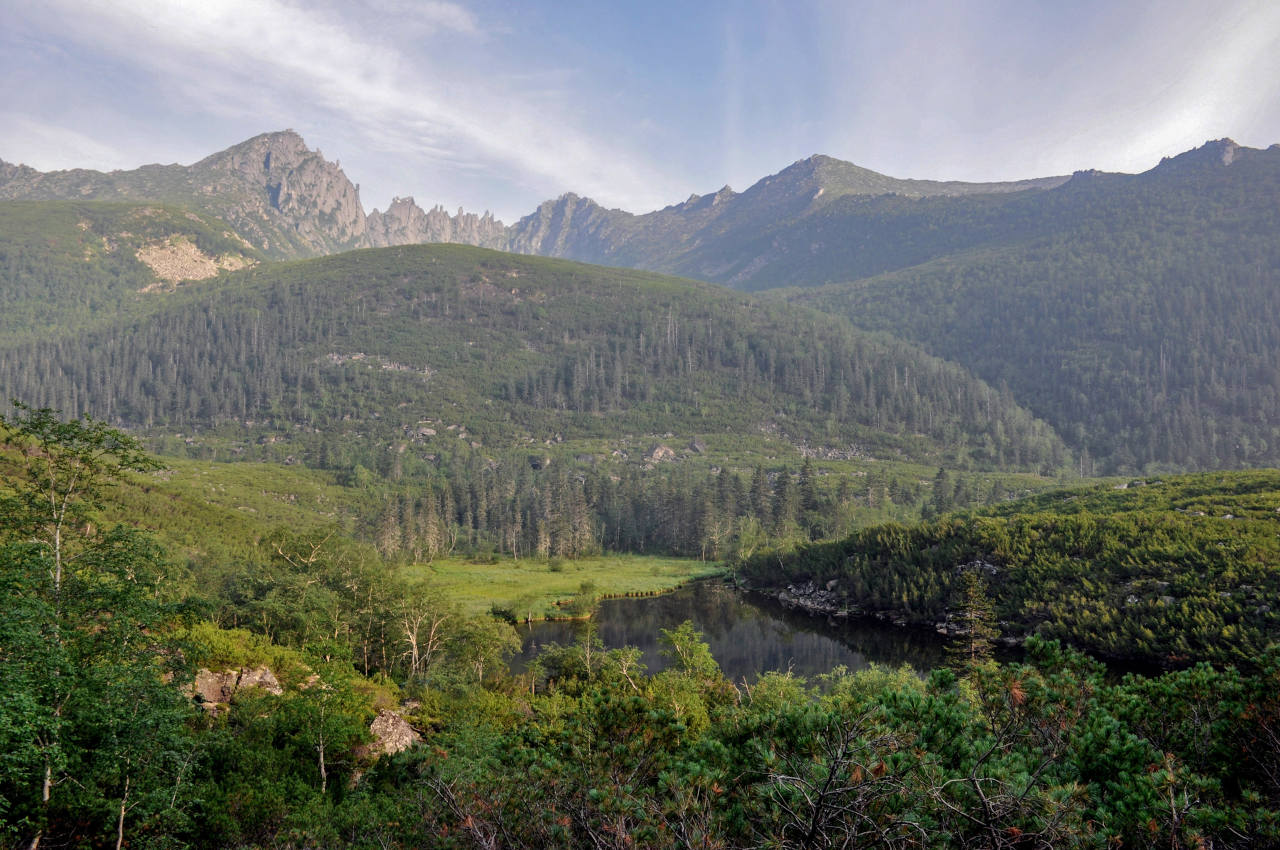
x,y
748,634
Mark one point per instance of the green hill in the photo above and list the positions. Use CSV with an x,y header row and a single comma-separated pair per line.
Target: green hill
x,y
503,350
1169,571
495,402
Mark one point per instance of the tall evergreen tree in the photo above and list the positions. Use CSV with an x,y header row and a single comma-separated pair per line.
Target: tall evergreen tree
x,y
973,617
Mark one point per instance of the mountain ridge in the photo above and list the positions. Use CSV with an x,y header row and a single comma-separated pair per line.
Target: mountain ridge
x,y
287,200
292,203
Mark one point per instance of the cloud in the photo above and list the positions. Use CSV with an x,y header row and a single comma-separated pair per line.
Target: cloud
x,y
45,146
1228,81
996,89
269,56
426,15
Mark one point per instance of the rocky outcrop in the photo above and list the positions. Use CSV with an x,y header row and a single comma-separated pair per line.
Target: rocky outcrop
x,y
660,454
391,734
1211,154
824,600
283,198
570,226
178,259
406,223
213,690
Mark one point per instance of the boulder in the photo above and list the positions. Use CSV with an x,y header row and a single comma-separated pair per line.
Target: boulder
x,y
661,453
391,734
214,690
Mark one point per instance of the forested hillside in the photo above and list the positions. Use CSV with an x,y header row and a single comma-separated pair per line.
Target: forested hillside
x,y
66,265
509,349
524,405
1165,572
1137,314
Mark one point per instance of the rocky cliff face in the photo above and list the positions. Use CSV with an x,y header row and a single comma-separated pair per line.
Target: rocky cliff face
x,y
571,226
282,196
406,223
285,199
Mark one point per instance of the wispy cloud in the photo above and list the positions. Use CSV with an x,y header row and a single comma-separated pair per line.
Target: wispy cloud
x,y
47,147
1221,87
274,58
425,15
503,105
996,89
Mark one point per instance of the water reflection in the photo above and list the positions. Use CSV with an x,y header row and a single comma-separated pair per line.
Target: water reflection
x,y
748,634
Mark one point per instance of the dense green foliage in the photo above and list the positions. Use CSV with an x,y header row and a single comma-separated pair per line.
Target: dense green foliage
x,y
100,742
1134,313
1166,572
382,342
1041,755
90,729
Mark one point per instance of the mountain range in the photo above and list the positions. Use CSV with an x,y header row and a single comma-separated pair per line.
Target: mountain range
x,y
285,199
1135,313
290,202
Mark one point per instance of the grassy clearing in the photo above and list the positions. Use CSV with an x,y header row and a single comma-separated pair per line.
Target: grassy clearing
x,y
219,511
531,587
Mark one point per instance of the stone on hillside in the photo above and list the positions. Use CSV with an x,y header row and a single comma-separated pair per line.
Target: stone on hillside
x,y
661,453
391,734
216,689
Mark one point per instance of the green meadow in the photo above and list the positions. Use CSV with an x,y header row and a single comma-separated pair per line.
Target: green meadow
x,y
532,588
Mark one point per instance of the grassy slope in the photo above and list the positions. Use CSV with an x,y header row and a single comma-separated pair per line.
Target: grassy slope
x,y
531,588
212,515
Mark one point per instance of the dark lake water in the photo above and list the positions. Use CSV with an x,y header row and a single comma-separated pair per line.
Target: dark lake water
x,y
748,634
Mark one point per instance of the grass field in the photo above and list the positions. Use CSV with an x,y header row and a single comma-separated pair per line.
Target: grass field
x,y
531,587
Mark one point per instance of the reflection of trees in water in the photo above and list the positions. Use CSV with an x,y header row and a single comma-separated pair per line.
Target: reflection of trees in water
x,y
882,643
746,636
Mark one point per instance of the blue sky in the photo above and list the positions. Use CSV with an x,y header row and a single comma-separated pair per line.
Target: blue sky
x,y
499,106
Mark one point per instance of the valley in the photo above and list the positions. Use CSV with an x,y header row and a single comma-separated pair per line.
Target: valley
x,y
279,476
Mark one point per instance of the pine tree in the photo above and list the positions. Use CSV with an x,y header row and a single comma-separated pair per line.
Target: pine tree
x,y
761,505
973,617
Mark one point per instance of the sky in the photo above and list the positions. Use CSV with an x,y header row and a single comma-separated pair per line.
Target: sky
x,y
499,106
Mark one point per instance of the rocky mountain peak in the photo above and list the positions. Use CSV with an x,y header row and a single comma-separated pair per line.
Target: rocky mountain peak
x,y
568,226
698,202
406,223
322,207
1214,153
1224,149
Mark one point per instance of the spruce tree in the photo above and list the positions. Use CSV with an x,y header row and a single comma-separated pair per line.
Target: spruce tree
x,y
973,617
